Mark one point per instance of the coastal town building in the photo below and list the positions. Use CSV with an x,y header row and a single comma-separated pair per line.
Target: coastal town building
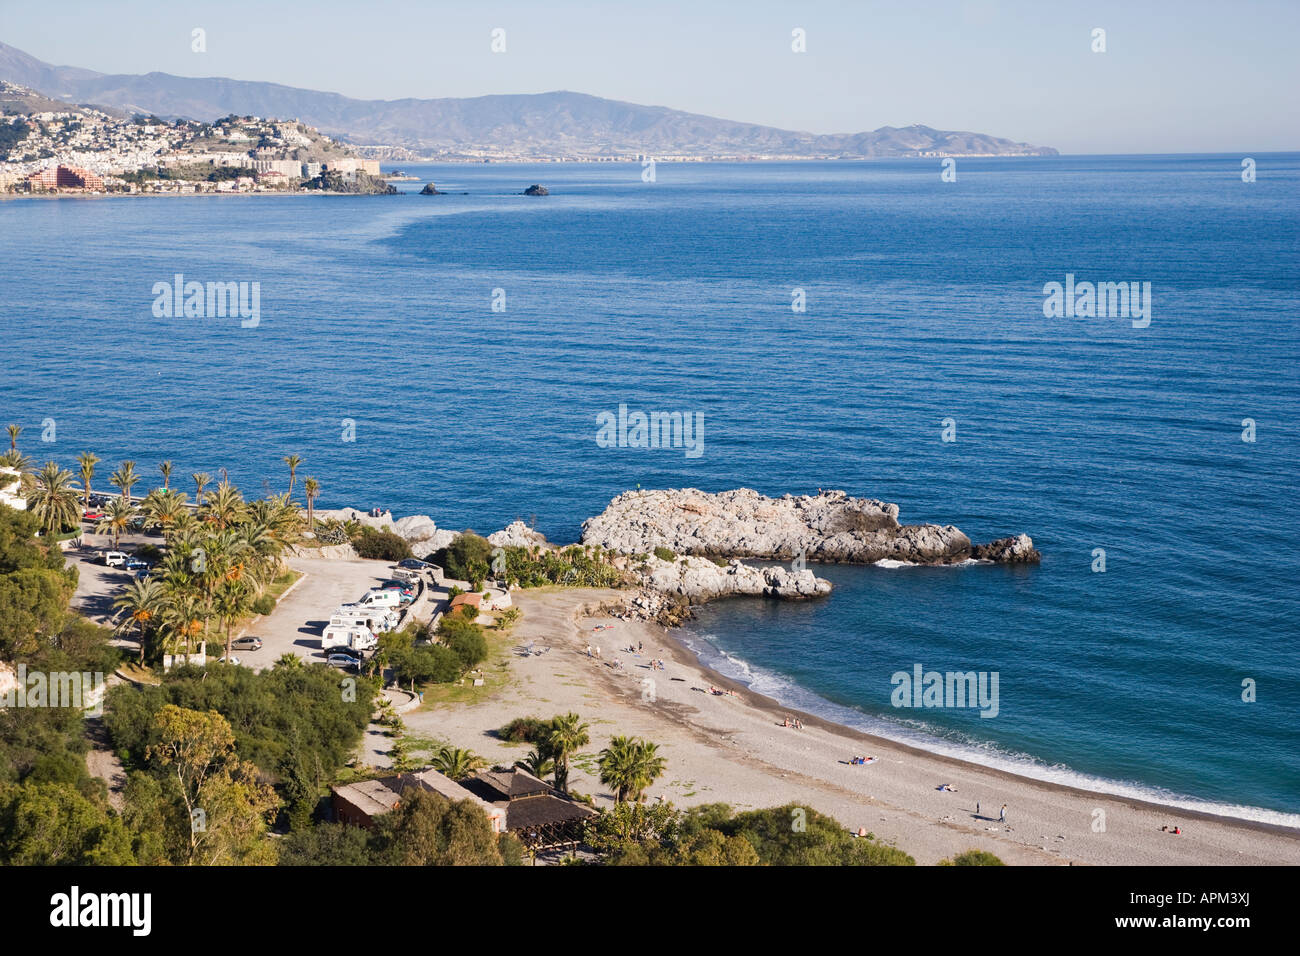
x,y
514,801
65,177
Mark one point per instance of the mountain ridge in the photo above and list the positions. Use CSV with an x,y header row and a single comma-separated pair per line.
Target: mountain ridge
x,y
551,125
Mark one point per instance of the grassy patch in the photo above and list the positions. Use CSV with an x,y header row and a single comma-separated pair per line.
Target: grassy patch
x,y
495,672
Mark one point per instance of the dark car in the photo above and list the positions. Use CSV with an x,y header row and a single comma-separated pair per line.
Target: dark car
x,y
412,564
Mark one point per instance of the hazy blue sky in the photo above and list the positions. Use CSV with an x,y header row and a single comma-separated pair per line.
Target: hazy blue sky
x,y
1176,76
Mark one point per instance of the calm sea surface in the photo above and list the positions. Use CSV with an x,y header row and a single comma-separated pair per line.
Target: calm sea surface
x,y
924,303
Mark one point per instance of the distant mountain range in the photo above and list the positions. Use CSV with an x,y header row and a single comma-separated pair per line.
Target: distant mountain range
x,y
533,126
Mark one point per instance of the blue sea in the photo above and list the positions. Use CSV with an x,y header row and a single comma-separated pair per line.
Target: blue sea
x,y
923,306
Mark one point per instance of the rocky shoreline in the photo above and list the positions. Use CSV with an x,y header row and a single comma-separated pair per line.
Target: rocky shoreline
x,y
680,547
829,527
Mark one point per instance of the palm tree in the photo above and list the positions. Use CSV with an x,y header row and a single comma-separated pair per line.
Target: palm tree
x,y
293,461
456,763
225,507
53,499
87,460
568,733
14,431
231,603
142,606
124,479
311,488
117,518
162,507
166,469
201,480
538,764
629,765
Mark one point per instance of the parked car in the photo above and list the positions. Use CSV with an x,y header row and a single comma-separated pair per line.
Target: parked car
x,y
247,643
233,659
353,652
413,564
406,576
93,515
400,586
343,661
138,564
114,559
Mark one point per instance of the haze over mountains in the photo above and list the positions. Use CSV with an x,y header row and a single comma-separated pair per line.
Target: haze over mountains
x,y
526,126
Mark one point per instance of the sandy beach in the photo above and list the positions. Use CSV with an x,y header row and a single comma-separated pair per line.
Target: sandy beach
x,y
733,748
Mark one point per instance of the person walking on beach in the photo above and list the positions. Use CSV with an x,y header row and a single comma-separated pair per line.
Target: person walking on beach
x,y
1002,817
977,808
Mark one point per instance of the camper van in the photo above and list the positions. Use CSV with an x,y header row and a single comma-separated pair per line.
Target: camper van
x,y
380,598
344,635
406,575
377,619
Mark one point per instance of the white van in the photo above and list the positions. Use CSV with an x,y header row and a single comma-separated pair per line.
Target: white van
x,y
343,635
380,598
377,619
406,575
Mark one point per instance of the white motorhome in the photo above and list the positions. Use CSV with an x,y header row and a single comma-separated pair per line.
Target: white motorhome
x,y
381,598
344,635
377,619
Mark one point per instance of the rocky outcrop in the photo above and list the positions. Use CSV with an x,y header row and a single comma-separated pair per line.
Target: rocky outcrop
x,y
696,580
830,526
431,190
537,190
518,535
1014,550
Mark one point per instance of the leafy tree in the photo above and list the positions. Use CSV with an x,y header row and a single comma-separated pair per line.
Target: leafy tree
x,y
427,829
44,824
327,844
467,558
465,638
793,835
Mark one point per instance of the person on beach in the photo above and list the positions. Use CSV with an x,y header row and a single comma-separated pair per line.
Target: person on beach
x,y
1002,817
977,808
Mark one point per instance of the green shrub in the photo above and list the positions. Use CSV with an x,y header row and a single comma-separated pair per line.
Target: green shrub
x,y
525,730
973,858
381,545
265,604
665,554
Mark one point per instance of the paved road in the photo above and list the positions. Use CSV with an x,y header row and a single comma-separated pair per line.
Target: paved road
x,y
294,627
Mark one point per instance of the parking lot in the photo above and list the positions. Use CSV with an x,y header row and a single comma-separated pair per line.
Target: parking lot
x,y
294,627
